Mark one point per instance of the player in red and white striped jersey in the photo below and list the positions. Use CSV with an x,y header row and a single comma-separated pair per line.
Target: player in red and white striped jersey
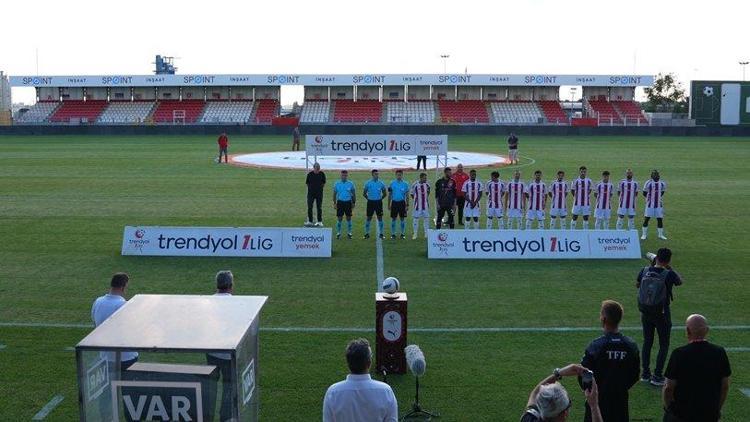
x,y
420,194
558,193
515,200
581,188
627,193
472,190
536,194
603,194
654,191
495,190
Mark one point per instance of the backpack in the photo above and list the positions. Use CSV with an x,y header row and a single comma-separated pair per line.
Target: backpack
x,y
652,294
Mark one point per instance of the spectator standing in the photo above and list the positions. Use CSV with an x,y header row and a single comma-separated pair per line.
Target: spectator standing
x,y
697,377
513,148
422,159
613,358
223,142
359,397
295,139
655,284
316,181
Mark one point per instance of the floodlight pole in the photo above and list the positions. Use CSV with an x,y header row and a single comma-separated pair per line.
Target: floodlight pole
x,y
743,64
445,58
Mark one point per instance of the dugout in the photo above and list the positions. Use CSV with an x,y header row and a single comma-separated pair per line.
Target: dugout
x,y
179,339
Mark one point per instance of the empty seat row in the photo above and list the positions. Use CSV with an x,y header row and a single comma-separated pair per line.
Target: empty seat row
x,y
78,110
362,111
315,111
411,112
553,112
631,111
516,112
176,111
37,113
465,111
127,112
265,111
227,112
605,111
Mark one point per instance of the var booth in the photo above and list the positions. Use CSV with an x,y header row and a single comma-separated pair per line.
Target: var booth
x,y
197,360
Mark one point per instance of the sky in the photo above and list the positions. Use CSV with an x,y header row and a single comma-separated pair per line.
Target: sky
x,y
693,39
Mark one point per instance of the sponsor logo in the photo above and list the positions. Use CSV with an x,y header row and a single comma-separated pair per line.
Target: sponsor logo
x,y
585,79
454,79
318,139
442,244
97,379
613,244
443,236
139,242
625,80
248,382
392,145
539,79
522,247
157,400
283,79
213,244
368,79
309,242
47,80
116,80
140,233
198,79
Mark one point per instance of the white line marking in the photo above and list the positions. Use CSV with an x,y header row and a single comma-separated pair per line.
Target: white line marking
x,y
413,329
70,349
49,407
379,263
737,349
2,346
745,391
518,166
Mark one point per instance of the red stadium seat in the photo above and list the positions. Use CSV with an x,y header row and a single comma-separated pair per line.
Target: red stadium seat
x,y
78,110
553,112
605,111
631,112
465,111
265,111
165,109
362,111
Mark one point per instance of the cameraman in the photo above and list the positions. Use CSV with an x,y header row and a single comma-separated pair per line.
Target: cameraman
x,y
655,284
549,401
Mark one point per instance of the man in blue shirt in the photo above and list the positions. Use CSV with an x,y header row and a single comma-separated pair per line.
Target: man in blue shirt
x,y
398,202
374,192
344,199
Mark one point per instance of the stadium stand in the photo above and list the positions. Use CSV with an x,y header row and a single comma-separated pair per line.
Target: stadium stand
x,y
127,112
38,113
516,112
265,111
553,112
411,112
631,112
604,111
465,111
227,112
165,111
85,111
362,111
314,111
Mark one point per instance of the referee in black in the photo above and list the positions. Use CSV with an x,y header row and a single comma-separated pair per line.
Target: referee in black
x,y
615,362
445,196
316,181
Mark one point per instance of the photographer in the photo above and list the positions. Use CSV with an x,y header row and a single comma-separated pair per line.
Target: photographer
x,y
655,284
549,401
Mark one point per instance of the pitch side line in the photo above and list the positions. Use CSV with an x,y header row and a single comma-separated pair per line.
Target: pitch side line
x,y
412,329
49,407
737,349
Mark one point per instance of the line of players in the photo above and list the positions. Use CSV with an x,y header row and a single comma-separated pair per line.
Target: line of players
x,y
514,200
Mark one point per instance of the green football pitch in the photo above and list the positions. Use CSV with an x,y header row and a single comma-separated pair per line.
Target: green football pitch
x,y
64,201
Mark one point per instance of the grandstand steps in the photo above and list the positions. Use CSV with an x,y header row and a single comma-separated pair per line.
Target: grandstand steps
x,y
331,111
488,108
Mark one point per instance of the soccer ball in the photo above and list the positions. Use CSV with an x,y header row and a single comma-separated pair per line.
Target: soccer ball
x,y
391,285
708,91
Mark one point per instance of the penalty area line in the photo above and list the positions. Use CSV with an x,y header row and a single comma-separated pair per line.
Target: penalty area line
x,y
49,407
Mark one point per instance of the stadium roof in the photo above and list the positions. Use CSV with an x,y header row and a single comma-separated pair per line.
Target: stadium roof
x,y
332,80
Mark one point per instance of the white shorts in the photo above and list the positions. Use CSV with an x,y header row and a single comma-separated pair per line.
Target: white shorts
x,y
420,214
515,213
535,215
626,211
495,212
654,212
581,209
558,212
602,214
513,153
472,212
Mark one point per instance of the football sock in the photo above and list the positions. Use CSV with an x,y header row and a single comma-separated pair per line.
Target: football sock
x,y
645,231
393,227
605,224
618,225
585,224
426,223
528,224
562,223
489,223
338,226
573,224
500,223
403,226
367,226
349,225
660,231
380,227
415,225
631,223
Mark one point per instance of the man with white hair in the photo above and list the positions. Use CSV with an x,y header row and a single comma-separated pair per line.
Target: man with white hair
x,y
697,377
223,361
549,401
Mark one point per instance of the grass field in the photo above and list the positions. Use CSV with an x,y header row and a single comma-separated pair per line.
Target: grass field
x,y
64,202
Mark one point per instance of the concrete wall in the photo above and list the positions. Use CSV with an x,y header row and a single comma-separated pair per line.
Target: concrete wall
x,y
144,94
342,93
469,93
316,92
49,94
418,92
193,93
119,94
368,93
391,93
494,93
96,93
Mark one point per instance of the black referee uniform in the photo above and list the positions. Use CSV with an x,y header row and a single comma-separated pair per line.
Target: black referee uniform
x,y
614,360
445,195
315,183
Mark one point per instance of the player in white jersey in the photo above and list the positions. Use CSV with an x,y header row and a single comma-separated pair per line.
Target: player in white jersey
x,y
558,193
420,194
515,200
536,194
581,188
472,190
627,193
495,190
654,190
603,194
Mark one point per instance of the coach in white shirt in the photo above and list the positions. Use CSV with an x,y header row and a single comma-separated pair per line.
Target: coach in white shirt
x,y
105,306
359,398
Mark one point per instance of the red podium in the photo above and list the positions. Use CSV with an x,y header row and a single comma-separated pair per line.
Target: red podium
x,y
390,332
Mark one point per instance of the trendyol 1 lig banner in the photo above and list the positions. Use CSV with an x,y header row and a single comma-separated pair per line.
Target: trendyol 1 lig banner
x,y
248,242
533,244
376,145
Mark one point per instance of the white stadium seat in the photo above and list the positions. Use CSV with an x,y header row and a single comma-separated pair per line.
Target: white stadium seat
x,y
315,112
411,112
227,112
127,112
516,112
37,113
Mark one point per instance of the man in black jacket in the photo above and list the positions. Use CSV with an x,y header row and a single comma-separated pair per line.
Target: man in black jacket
x,y
316,181
445,196
613,358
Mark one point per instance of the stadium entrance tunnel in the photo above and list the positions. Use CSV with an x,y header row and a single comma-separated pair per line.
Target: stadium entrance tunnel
x,y
296,161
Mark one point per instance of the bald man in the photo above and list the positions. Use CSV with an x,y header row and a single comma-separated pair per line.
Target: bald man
x,y
697,377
